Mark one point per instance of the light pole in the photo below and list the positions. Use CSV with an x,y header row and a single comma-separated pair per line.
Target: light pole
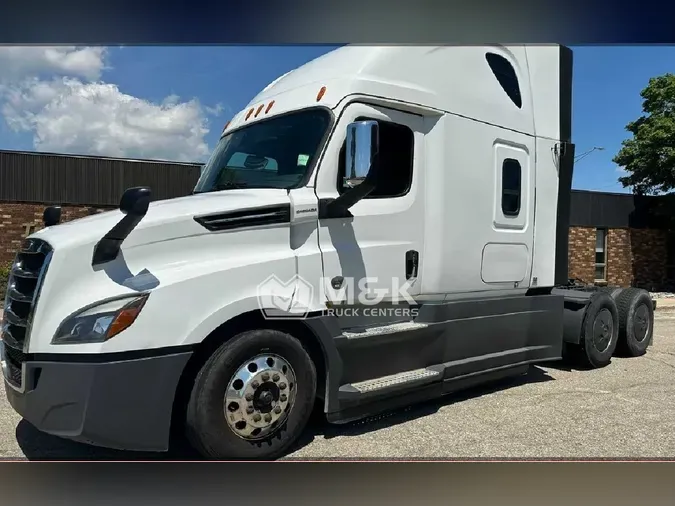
x,y
586,153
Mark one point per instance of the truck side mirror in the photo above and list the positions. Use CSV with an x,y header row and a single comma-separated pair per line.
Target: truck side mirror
x,y
51,216
362,148
361,151
135,201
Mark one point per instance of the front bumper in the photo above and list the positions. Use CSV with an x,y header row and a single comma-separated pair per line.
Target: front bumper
x,y
121,404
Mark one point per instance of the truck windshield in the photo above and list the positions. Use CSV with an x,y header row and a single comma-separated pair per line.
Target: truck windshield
x,y
276,153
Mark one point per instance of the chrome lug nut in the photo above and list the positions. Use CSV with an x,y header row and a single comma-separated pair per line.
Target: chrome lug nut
x,y
283,397
255,384
282,385
268,417
256,417
266,376
249,397
275,377
277,410
250,410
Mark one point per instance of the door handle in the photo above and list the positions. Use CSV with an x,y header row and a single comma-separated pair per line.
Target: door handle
x,y
412,260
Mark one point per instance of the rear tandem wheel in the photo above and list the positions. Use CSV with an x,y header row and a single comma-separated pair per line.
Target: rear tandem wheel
x,y
636,321
599,331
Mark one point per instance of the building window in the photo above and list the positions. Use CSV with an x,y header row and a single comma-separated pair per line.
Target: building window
x,y
511,183
601,254
396,157
506,75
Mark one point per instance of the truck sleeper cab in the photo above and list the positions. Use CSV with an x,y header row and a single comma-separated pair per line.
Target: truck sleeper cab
x,y
380,226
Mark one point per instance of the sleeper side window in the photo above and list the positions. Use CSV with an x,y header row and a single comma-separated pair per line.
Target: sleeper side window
x,y
511,187
506,75
395,159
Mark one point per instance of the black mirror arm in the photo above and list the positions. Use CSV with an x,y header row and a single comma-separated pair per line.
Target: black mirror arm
x,y
134,204
108,247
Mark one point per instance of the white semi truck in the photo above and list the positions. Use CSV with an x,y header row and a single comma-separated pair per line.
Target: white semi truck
x,y
443,171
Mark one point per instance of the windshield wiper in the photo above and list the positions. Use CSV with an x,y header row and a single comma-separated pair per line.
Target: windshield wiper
x,y
230,185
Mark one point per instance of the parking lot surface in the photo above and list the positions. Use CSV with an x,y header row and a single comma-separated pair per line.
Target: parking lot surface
x,y
626,410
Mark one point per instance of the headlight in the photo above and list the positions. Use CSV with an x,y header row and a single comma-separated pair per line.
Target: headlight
x,y
99,323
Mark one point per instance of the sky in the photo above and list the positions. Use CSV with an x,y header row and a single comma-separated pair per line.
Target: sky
x,y
172,102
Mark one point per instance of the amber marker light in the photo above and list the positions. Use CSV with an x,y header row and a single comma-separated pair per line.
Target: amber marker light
x,y
321,93
126,317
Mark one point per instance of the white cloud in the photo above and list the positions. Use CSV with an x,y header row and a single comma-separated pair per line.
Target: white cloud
x,y
72,111
69,115
17,62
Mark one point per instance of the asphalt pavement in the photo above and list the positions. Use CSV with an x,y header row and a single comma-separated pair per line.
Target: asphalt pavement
x,y
626,410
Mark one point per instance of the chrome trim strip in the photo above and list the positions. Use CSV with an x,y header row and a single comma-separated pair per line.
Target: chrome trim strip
x,y
243,218
15,295
275,214
20,272
7,334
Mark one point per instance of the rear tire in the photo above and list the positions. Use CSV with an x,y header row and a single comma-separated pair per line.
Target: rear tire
x,y
243,406
600,331
636,321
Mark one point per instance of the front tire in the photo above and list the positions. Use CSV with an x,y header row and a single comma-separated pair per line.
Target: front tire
x,y
253,398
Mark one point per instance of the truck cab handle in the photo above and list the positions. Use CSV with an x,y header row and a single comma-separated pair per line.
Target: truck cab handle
x,y
412,259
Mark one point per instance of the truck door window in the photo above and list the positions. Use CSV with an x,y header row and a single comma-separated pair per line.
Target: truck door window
x,y
506,75
395,158
511,183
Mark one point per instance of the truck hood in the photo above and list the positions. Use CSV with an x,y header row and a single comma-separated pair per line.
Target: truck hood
x,y
165,219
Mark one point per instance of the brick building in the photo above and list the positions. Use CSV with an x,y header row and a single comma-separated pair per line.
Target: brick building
x,y
622,239
614,239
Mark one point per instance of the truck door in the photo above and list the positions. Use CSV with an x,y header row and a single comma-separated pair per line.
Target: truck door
x,y
508,251
381,246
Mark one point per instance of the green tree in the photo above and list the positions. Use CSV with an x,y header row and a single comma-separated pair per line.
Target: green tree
x,y
649,156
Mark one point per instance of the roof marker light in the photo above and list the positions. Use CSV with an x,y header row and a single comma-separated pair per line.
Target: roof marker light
x,y
260,108
321,93
226,125
248,114
269,106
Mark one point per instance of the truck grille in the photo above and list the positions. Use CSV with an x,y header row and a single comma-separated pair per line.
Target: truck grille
x,y
23,290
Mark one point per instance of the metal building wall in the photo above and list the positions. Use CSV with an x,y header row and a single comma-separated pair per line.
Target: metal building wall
x,y
86,180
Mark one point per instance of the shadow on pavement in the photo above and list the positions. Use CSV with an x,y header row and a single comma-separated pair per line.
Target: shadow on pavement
x,y
385,420
37,445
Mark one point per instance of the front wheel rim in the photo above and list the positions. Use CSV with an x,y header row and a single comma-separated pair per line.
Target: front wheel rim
x,y
260,396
